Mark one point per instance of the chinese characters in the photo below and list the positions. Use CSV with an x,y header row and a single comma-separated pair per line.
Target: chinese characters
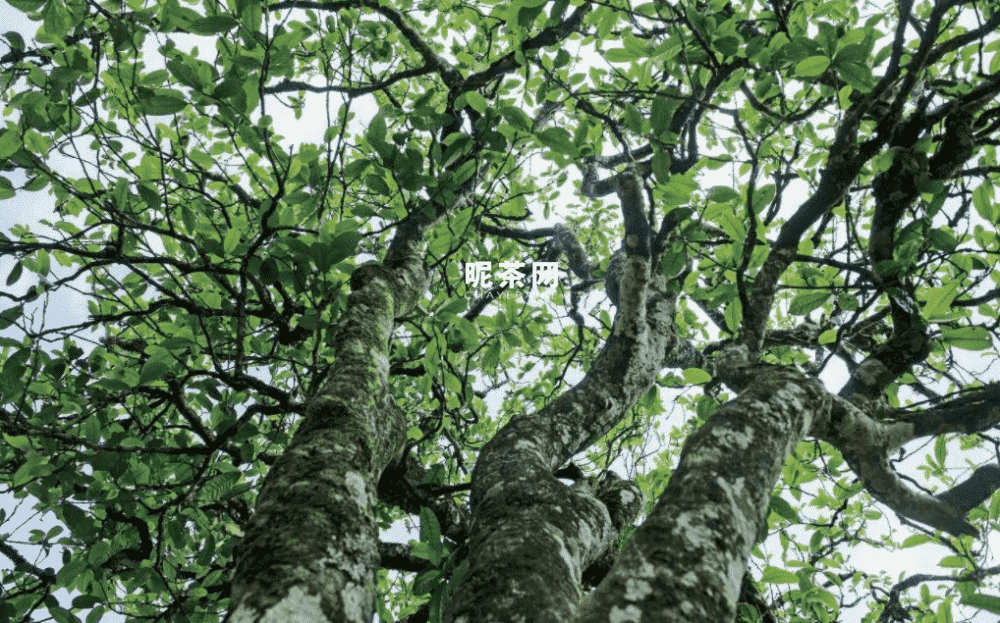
x,y
480,274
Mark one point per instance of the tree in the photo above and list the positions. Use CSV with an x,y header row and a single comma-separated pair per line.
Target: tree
x,y
248,401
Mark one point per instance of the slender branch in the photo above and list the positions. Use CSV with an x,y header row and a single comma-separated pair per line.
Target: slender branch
x,y
431,58
286,85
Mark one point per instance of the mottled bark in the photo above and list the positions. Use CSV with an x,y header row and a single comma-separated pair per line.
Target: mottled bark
x,y
310,552
531,536
687,561
624,500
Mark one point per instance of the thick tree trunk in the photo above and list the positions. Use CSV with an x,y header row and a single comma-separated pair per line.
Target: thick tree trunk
x,y
687,560
310,552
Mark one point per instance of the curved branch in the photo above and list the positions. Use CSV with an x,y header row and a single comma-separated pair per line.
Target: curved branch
x,y
866,443
448,73
548,36
286,85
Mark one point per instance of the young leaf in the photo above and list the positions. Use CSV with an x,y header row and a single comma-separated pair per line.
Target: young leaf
x,y
805,302
967,338
696,376
812,67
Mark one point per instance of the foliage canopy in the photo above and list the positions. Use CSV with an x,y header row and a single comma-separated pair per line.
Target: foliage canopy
x,y
806,190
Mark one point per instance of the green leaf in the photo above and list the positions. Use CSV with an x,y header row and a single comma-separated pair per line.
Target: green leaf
x,y
982,199
10,316
342,246
763,196
941,449
185,72
491,358
915,540
732,314
662,114
696,376
967,338
678,189
355,168
6,188
673,262
34,467
174,16
783,509
230,86
42,263
805,302
155,78
376,130
163,102
939,300
633,119
636,46
26,6
15,274
426,582
619,55
56,18
15,39
81,601
231,240
516,118
816,540
728,45
422,550
270,271
212,25
10,142
19,441
430,534
152,370
812,67
774,575
13,370
377,184
979,600
149,196
559,140
855,53
37,183
661,166
943,239
250,13
858,76
722,194
467,331
477,101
